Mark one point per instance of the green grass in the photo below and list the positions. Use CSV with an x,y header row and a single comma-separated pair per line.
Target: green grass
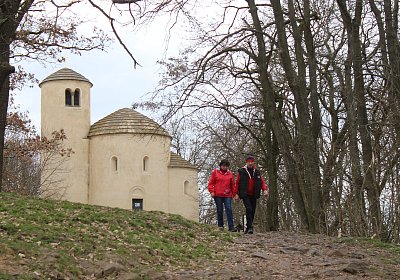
x,y
63,238
389,254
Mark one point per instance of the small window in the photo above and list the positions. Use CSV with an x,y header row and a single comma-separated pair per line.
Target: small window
x,y
146,163
68,97
114,164
137,204
77,96
186,187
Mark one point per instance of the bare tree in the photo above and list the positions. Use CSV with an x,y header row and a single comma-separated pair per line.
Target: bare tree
x,y
314,85
32,165
37,30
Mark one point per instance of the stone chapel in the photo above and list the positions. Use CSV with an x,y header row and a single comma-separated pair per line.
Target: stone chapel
x,y
123,160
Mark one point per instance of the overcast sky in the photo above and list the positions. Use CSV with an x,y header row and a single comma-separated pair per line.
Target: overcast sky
x,y
116,83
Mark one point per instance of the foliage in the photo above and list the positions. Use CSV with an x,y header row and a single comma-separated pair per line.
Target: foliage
x,y
27,155
40,31
46,31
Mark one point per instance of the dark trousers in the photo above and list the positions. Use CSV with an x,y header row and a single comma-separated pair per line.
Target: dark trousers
x,y
250,203
220,202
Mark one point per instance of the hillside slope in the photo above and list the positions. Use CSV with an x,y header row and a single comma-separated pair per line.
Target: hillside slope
x,y
45,239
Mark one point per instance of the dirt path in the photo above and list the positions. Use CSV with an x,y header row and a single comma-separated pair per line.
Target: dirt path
x,y
283,255
273,255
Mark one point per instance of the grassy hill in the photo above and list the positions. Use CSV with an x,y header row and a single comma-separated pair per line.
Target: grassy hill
x,y
46,239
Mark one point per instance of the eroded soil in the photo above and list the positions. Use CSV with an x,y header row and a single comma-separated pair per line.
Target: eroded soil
x,y
283,255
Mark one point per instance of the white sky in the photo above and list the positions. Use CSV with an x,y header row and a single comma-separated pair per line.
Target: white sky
x,y
116,83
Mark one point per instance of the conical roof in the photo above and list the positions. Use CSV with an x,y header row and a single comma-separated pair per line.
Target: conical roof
x,y
126,121
65,74
176,160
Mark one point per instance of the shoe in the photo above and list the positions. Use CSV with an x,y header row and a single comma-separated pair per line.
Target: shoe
x,y
239,228
248,230
233,230
221,228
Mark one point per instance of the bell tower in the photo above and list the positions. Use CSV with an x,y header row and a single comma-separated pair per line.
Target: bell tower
x,y
65,105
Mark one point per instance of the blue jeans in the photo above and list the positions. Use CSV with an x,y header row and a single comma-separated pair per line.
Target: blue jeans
x,y
219,202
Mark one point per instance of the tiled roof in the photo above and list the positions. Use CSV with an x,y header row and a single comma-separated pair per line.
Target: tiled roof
x,y
65,74
126,121
177,161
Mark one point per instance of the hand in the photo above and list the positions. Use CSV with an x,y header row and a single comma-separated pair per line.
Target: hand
x,y
236,197
212,194
266,193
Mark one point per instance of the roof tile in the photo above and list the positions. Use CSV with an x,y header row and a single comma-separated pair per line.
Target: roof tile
x,y
126,121
177,161
65,74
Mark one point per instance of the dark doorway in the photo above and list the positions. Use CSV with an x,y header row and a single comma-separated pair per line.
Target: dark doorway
x,y
137,204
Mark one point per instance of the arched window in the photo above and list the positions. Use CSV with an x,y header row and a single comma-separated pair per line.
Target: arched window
x,y
68,97
77,95
186,187
146,164
114,164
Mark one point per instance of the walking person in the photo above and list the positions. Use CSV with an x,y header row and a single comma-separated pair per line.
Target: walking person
x,y
249,184
221,186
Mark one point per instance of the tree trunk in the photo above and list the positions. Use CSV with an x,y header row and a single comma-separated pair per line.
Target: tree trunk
x,y
282,135
272,163
393,66
369,182
11,14
309,164
5,71
390,48
8,12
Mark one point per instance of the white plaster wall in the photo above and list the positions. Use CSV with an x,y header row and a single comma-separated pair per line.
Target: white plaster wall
x,y
118,188
185,204
75,121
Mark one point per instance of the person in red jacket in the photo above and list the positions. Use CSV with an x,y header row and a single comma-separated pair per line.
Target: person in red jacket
x,y
220,186
249,184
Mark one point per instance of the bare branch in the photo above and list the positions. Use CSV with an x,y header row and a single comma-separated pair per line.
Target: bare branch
x,y
125,1
135,62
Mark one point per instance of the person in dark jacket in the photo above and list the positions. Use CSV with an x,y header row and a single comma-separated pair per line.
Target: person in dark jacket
x,y
249,184
220,186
